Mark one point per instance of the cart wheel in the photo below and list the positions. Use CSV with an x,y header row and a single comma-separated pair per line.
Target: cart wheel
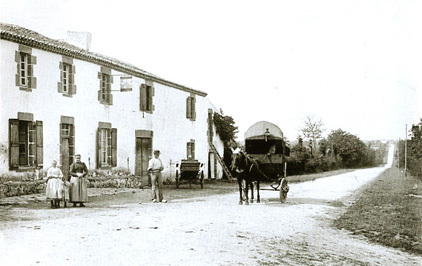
x,y
284,188
177,179
202,179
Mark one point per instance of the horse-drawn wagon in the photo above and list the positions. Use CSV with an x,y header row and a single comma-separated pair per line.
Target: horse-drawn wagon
x,y
263,158
190,170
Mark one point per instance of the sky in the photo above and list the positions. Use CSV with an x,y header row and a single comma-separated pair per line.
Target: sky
x,y
355,65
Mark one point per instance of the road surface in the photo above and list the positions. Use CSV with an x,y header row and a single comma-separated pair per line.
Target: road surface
x,y
211,230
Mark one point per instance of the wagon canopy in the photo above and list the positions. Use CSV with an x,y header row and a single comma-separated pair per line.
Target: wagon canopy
x,y
263,129
265,138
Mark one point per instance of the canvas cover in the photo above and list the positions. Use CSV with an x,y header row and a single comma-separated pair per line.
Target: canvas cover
x,y
259,129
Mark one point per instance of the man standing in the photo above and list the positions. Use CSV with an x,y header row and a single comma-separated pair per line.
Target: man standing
x,y
155,166
78,183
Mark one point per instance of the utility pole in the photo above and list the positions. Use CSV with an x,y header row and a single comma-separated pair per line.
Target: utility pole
x,y
398,156
405,153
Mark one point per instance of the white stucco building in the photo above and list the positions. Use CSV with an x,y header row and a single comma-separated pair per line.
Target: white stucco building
x,y
58,100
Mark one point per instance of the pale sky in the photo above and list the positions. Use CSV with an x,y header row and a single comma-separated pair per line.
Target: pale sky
x,y
357,65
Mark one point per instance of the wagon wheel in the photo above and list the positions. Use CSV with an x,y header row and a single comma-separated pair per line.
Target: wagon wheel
x,y
177,179
284,188
202,179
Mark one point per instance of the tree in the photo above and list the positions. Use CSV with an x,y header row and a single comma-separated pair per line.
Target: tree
x,y
225,127
313,130
352,151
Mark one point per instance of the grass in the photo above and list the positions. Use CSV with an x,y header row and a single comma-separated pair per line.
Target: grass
x,y
388,212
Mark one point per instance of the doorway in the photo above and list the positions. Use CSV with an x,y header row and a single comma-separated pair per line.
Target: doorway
x,y
67,147
143,155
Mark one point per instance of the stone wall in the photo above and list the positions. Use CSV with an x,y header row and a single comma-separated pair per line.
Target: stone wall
x,y
28,184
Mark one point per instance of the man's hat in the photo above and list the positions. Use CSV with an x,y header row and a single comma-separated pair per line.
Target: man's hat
x,y
156,152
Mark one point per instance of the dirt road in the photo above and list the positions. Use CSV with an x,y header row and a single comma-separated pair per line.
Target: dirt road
x,y
210,230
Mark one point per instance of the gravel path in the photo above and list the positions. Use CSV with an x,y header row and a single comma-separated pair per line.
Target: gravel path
x,y
211,230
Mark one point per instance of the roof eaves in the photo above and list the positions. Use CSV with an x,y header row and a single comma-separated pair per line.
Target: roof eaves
x,y
56,46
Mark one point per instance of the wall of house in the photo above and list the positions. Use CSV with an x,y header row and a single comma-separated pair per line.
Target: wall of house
x,y
172,130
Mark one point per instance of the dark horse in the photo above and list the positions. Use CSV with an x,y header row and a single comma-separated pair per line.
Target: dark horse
x,y
246,170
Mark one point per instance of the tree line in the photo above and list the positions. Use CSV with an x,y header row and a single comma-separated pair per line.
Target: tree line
x,y
312,153
414,151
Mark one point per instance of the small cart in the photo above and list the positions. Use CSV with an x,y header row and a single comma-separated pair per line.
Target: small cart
x,y
191,170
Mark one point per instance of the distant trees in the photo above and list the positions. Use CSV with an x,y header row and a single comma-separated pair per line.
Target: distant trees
x,y
340,149
414,150
312,131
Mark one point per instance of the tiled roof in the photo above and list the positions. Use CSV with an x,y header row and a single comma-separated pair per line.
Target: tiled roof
x,y
33,39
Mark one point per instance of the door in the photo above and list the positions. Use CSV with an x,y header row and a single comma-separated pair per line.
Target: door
x,y
65,157
67,147
143,155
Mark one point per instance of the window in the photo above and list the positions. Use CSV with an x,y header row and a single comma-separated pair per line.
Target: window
x,y
106,146
68,131
190,108
23,68
25,143
25,79
146,98
66,85
104,94
191,150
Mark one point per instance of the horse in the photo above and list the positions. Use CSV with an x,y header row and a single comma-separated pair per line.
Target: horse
x,y
245,169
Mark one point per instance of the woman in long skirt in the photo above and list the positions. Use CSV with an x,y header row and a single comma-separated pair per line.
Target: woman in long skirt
x,y
54,189
78,183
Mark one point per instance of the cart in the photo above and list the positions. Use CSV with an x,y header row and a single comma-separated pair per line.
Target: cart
x,y
190,170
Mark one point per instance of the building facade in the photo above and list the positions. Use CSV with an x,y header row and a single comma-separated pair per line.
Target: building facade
x,y
58,100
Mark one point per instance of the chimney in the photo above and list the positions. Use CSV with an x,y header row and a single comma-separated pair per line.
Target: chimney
x,y
80,39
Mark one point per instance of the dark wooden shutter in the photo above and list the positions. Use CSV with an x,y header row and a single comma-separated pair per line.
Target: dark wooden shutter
x,y
60,83
100,94
39,143
192,146
14,143
98,149
152,94
109,154
109,97
114,147
72,86
32,81
188,107
18,75
193,111
143,97
188,150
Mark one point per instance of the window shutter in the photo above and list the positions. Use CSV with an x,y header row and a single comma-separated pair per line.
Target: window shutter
x,y
39,143
109,155
152,98
108,93
111,78
32,60
60,83
98,149
32,82
17,57
114,147
192,146
14,143
73,89
193,108
188,150
142,97
188,107
73,69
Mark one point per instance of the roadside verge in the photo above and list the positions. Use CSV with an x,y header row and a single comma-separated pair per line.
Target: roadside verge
x,y
388,212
